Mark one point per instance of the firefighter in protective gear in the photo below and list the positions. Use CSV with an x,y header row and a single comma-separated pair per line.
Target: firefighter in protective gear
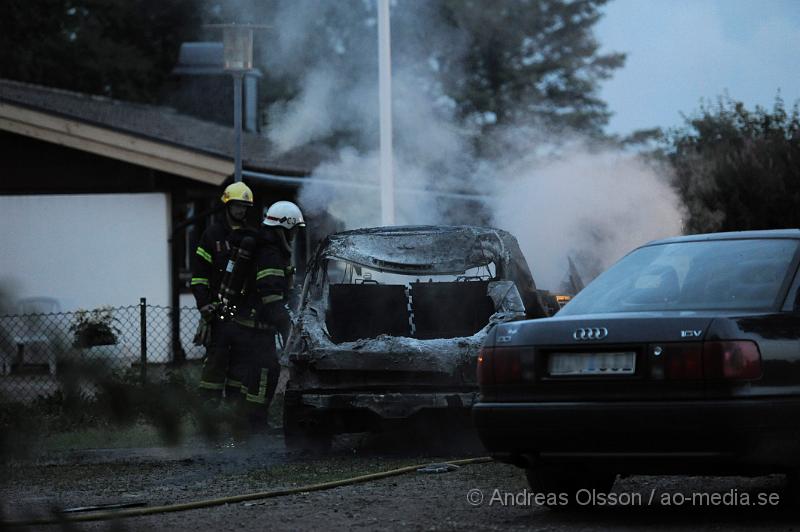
x,y
280,225
258,368
211,256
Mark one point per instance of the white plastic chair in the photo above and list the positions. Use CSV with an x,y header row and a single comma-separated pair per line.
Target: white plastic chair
x,y
35,344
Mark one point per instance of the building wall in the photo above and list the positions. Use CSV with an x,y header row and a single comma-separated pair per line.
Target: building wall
x,y
86,250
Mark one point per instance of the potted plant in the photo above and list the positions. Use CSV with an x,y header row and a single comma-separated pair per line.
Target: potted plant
x,y
95,327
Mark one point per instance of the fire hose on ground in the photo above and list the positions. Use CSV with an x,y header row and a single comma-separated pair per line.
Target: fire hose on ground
x,y
207,503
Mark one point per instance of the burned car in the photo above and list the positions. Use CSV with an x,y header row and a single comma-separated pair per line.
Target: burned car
x,y
682,358
390,324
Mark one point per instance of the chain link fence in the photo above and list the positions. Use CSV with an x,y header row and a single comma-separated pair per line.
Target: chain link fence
x,y
37,349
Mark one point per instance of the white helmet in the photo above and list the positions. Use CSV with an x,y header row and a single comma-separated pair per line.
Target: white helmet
x,y
284,214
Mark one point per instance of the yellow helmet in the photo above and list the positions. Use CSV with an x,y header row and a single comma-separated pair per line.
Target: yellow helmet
x,y
238,192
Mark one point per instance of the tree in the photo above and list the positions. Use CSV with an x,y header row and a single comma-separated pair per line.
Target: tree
x,y
737,169
119,49
532,59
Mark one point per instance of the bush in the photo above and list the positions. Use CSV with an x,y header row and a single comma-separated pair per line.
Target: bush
x,y
96,327
737,169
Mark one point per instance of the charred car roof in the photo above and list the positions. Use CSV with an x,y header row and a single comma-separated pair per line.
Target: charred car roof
x,y
420,249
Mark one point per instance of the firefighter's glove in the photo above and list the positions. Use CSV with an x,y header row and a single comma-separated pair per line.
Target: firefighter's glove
x,y
203,334
209,312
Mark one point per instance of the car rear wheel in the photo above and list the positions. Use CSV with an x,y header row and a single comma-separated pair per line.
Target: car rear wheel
x,y
567,481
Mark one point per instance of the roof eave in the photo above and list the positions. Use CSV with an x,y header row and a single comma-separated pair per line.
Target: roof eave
x,y
109,142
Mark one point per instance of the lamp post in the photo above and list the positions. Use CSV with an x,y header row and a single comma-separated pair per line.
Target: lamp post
x,y
385,105
238,53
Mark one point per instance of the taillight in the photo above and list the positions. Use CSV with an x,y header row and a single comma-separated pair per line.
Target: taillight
x,y
731,360
684,361
735,360
499,366
485,367
507,362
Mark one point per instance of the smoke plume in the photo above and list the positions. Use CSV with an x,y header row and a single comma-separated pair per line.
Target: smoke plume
x,y
560,196
591,205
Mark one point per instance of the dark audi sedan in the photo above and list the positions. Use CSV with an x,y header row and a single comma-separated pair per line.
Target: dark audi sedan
x,y
682,358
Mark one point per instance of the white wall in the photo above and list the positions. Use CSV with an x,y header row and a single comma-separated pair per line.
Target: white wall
x,y
86,250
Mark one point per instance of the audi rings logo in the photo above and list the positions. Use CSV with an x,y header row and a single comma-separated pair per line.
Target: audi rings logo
x,y
590,333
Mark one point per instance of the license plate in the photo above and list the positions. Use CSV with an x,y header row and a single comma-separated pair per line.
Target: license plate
x,y
621,363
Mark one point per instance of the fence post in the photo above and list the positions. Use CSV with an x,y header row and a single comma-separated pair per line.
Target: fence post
x,y
143,348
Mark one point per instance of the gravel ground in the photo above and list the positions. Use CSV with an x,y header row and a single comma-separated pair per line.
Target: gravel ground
x,y
415,501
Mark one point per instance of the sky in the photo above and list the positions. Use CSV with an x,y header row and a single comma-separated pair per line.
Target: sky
x,y
683,51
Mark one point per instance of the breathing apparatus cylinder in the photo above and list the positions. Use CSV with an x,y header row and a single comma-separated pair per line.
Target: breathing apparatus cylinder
x,y
233,279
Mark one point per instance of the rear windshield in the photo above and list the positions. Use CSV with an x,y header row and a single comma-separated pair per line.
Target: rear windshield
x,y
719,274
